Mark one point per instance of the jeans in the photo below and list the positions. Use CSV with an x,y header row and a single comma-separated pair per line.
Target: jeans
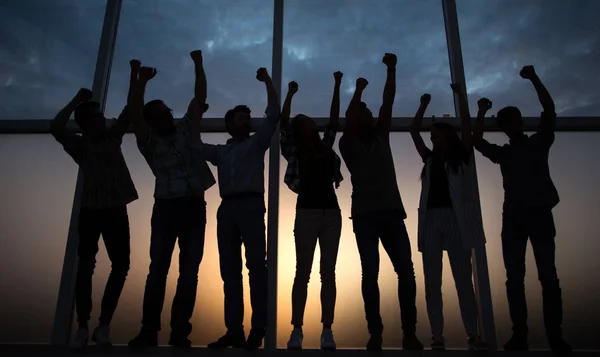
x,y
241,219
539,227
113,225
324,226
388,226
183,218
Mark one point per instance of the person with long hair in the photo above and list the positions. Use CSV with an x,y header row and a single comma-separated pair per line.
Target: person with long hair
x,y
448,217
313,170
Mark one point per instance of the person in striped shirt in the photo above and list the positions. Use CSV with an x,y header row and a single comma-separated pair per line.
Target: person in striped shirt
x,y
313,172
448,218
107,190
179,212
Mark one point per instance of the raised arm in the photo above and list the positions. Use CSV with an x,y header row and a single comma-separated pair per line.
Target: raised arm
x,y
123,122
384,121
198,105
273,112
491,151
415,128
140,127
287,106
59,123
549,116
334,112
465,117
354,108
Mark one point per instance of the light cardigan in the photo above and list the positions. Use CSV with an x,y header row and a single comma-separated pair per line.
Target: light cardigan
x,y
465,203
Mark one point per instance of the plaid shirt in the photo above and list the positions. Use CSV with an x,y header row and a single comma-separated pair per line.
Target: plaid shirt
x,y
289,150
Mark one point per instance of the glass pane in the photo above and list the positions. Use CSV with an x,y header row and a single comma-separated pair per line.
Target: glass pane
x,y
37,186
234,35
350,327
574,170
49,51
560,38
208,322
321,37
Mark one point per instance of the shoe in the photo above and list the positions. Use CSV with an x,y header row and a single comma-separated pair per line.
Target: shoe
x,y
559,346
101,336
80,339
327,341
410,342
438,344
235,340
518,342
295,341
144,340
179,341
476,344
375,342
255,339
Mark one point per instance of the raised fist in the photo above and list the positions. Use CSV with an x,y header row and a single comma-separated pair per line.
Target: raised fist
x,y
338,76
455,88
528,72
262,74
361,83
484,104
196,55
135,64
83,95
147,73
293,87
390,60
425,99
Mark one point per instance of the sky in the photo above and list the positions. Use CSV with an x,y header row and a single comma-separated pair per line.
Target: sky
x,y
49,50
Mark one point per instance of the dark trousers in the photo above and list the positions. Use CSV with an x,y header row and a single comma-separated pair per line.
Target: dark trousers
x,y
389,227
113,225
183,218
242,220
539,227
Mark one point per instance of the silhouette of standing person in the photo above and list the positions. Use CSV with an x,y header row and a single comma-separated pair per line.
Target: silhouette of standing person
x,y
107,189
529,197
377,209
179,212
449,218
241,216
313,169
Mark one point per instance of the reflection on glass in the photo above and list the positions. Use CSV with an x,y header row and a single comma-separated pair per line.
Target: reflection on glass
x,y
49,51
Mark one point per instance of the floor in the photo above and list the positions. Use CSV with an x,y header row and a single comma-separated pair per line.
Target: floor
x,y
51,351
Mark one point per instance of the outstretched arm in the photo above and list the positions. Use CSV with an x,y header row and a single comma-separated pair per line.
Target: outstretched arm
x,y
286,139
140,127
266,130
548,120
354,109
465,117
59,123
198,105
123,122
334,111
415,128
491,151
384,121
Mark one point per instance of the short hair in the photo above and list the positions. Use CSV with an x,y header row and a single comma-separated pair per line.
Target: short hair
x,y
231,114
82,111
148,110
508,116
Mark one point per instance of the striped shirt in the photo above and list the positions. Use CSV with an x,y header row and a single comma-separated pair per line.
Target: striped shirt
x,y
106,179
178,171
289,150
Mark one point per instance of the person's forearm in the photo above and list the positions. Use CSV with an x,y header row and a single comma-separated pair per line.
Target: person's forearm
x,y
334,112
543,95
132,83
417,122
200,86
62,118
389,90
137,105
272,100
286,110
479,128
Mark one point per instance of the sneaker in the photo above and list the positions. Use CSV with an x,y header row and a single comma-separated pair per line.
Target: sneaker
x,y
101,336
518,342
80,339
438,344
410,342
255,339
375,342
327,341
179,341
235,340
560,347
295,341
144,340
476,344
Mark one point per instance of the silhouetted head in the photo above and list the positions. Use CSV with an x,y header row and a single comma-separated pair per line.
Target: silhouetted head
x,y
365,118
237,122
158,116
304,128
89,117
446,145
510,121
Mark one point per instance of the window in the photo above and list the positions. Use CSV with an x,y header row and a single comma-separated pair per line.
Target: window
x,y
49,51
560,38
37,185
235,37
321,37
575,174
